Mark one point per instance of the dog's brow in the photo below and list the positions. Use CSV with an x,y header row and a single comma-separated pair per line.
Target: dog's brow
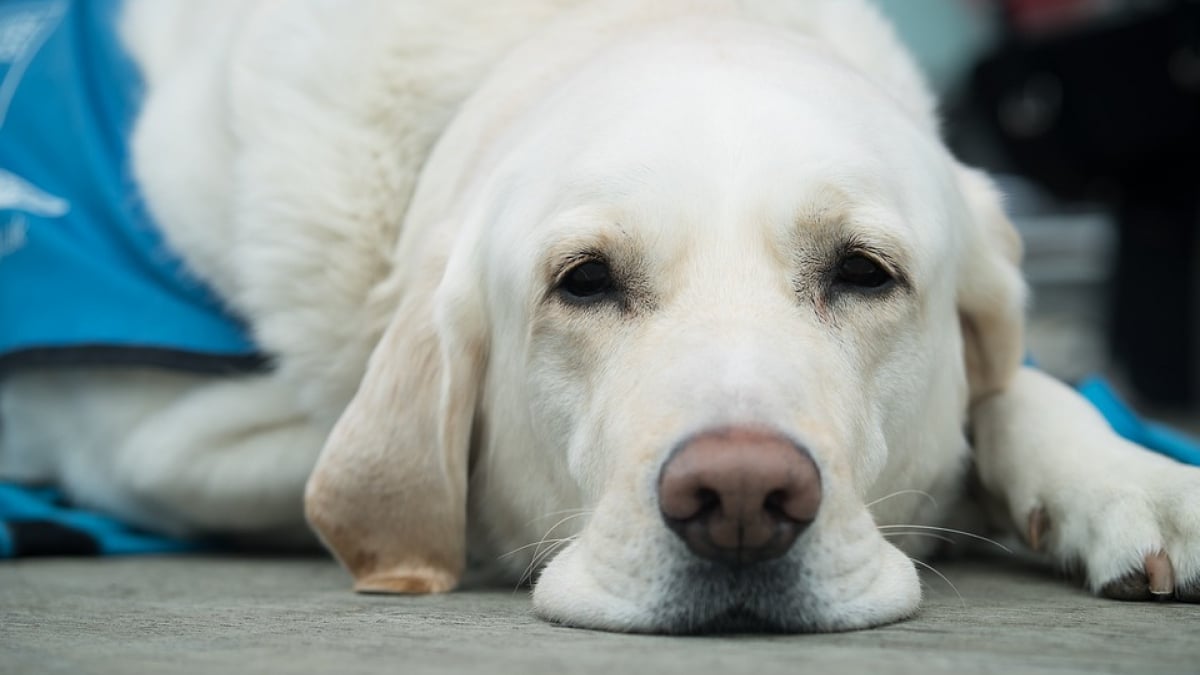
x,y
828,217
837,230
595,242
821,218
823,206
891,254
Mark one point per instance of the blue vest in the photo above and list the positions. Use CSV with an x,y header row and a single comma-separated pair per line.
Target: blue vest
x,y
85,276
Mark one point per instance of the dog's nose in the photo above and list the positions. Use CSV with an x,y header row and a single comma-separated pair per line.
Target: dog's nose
x,y
738,495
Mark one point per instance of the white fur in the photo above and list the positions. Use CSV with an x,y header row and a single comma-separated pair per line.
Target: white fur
x,y
334,169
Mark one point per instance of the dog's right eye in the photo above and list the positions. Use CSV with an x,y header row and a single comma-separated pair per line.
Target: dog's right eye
x,y
587,282
862,272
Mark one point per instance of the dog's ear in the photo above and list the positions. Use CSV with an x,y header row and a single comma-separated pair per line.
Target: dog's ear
x,y
389,493
991,290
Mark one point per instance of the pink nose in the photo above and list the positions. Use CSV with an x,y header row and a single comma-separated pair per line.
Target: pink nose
x,y
739,495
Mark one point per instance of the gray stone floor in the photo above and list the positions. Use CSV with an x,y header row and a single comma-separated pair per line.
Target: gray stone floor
x,y
223,615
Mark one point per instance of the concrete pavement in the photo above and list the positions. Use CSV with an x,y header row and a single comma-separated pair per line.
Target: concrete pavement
x,y
297,615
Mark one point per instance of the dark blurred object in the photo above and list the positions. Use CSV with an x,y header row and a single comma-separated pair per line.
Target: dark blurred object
x,y
1101,100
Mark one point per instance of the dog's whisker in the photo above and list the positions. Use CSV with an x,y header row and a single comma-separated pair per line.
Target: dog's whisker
x,y
551,514
540,557
931,535
527,573
545,537
898,493
530,545
943,577
972,535
565,519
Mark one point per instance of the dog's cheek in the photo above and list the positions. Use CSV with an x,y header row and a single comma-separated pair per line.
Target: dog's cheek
x,y
563,389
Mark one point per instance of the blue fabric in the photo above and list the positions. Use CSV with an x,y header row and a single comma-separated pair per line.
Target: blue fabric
x,y
81,262
35,521
1126,422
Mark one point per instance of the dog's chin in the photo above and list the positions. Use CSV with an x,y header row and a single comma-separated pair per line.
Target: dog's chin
x,y
779,596
761,598
737,620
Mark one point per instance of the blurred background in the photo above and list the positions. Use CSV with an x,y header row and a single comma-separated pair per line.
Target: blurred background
x,y
1087,113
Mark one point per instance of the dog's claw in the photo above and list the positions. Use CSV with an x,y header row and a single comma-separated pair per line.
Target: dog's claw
x,y
1161,574
1156,579
1038,526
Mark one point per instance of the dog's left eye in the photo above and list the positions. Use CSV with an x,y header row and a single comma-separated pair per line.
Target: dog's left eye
x,y
862,272
587,282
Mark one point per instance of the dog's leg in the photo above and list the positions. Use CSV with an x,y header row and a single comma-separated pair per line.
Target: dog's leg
x,y
67,427
1077,491
231,456
171,452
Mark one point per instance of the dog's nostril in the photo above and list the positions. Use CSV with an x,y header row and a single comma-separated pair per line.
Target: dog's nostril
x,y
738,495
774,504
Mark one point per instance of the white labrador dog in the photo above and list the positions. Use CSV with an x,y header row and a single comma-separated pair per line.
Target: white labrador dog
x,y
688,289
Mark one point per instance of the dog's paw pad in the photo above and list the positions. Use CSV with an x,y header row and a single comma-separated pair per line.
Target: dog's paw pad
x,y
1156,580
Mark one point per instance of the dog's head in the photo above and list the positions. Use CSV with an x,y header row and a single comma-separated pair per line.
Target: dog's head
x,y
715,289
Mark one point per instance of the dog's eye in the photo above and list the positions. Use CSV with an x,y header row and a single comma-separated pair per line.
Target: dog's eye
x,y
587,282
860,271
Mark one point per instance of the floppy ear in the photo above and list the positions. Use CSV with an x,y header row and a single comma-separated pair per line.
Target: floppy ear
x,y
991,291
389,493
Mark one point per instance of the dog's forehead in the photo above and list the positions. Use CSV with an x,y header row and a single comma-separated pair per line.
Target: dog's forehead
x,y
725,104
747,127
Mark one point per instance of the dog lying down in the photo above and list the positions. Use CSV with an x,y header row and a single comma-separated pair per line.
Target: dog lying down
x,y
684,304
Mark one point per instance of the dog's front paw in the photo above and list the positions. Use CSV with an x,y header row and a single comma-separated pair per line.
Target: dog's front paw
x,y
1128,518
1132,528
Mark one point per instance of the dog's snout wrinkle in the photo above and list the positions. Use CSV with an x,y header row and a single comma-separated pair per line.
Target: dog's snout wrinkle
x,y
739,496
